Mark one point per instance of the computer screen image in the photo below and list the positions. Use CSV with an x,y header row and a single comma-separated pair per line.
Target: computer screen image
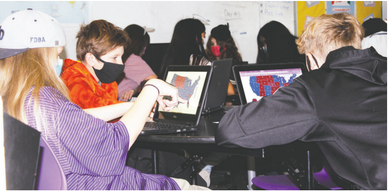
x,y
190,86
257,81
192,83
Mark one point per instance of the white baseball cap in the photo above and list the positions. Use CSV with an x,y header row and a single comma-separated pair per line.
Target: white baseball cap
x,y
28,29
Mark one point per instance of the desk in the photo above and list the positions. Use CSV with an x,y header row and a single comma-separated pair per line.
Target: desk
x,y
202,141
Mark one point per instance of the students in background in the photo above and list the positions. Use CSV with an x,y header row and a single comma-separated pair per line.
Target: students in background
x,y
90,151
186,46
136,69
341,104
277,45
91,80
375,35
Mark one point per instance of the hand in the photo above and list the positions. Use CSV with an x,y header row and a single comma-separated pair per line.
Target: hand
x,y
167,90
127,95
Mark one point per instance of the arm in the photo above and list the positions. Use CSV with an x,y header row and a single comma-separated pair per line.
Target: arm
x,y
281,118
136,116
110,112
231,89
126,96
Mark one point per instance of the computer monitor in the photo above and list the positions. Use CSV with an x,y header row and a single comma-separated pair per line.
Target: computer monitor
x,y
255,81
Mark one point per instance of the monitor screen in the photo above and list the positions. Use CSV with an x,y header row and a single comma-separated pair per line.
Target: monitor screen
x,y
257,84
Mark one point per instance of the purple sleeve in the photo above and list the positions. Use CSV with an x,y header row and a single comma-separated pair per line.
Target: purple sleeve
x,y
93,146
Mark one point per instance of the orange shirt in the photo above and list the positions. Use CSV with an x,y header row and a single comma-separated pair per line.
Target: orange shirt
x,y
84,89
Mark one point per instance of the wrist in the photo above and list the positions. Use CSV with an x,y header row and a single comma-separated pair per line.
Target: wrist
x,y
153,86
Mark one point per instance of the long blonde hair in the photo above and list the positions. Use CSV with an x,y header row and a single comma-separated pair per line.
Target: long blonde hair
x,y
19,73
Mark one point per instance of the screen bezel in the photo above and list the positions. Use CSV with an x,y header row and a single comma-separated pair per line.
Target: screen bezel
x,y
253,67
186,118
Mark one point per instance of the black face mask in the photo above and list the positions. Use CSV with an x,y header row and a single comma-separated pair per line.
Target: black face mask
x,y
109,72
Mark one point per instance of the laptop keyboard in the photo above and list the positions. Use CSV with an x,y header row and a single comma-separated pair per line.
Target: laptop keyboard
x,y
162,128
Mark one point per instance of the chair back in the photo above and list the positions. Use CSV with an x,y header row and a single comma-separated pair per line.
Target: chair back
x,y
51,176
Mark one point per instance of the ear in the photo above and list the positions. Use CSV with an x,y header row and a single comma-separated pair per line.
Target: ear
x,y
90,59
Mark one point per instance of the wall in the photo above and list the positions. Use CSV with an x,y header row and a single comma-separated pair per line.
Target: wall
x,y
243,18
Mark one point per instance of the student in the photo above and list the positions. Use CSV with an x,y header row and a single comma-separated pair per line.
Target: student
x,y
341,104
90,151
221,46
277,45
375,35
186,46
136,69
91,80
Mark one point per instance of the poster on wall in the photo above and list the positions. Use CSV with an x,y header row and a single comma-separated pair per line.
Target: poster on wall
x,y
333,7
306,11
368,9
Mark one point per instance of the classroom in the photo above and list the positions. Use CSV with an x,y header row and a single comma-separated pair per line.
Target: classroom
x,y
301,105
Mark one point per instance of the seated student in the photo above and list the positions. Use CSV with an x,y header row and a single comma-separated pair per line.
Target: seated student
x,y
186,46
90,151
341,104
375,35
136,69
221,46
277,45
91,82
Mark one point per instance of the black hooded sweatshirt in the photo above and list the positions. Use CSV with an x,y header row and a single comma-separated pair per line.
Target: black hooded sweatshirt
x,y
342,107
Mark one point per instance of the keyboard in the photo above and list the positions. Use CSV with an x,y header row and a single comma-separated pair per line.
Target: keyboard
x,y
155,128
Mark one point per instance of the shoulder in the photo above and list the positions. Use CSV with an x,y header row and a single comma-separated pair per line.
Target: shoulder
x,y
134,59
51,95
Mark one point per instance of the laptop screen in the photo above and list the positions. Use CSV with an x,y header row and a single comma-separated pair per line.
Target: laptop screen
x,y
257,81
192,83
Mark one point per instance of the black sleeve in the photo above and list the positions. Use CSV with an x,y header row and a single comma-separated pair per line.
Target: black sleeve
x,y
278,119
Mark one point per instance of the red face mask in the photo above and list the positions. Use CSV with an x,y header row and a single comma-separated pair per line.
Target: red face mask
x,y
216,50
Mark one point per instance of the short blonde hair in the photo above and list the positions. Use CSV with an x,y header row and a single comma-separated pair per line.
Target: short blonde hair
x,y
330,32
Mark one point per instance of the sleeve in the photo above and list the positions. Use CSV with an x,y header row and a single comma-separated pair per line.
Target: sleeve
x,y
281,118
92,146
137,70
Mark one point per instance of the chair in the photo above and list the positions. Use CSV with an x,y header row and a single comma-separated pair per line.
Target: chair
x,y
51,176
286,182
300,174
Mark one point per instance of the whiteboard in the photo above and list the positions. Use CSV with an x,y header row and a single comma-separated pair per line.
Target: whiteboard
x,y
281,11
243,18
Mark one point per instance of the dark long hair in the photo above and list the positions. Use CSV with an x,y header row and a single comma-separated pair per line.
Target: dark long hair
x,y
186,40
139,39
228,50
281,46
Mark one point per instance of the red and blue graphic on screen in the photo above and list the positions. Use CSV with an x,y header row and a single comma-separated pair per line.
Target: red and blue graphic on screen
x,y
267,85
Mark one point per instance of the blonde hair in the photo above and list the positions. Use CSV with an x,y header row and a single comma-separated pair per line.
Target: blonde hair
x,y
330,32
19,73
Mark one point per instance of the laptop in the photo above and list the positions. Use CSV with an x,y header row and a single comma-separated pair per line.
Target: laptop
x,y
218,87
255,81
192,83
